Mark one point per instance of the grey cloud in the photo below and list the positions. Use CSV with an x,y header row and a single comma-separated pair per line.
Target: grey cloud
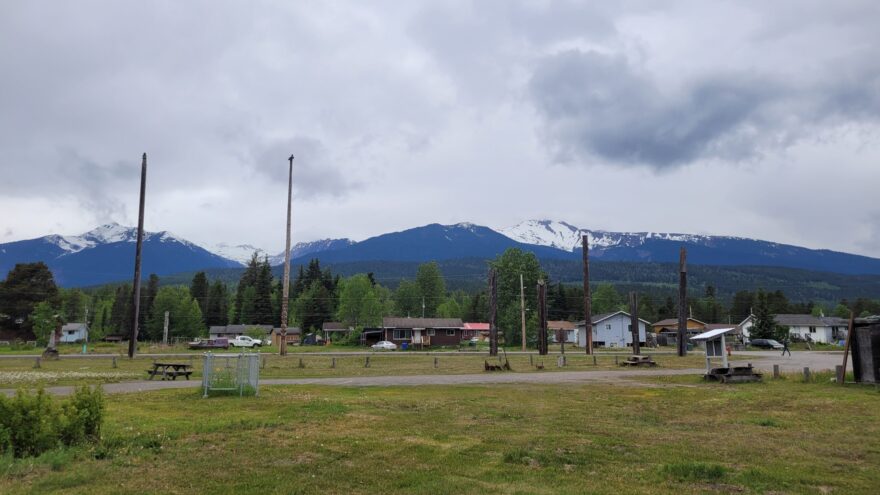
x,y
314,171
598,105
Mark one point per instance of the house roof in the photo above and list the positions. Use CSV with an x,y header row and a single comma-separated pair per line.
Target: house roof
x,y
560,325
604,316
74,326
712,334
333,325
791,320
476,326
674,321
394,322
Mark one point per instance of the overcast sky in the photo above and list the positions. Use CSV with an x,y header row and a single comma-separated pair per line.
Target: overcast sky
x,y
757,119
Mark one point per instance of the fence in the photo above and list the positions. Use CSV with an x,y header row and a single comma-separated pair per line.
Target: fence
x,y
231,373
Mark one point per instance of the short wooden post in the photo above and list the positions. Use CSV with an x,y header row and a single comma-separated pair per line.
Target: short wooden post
x,y
114,362
333,362
367,362
301,364
839,373
263,363
436,363
531,360
37,363
615,361
775,371
560,361
594,361
806,374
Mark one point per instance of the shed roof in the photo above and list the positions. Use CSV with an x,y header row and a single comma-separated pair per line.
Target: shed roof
x,y
712,334
674,321
604,316
74,326
476,326
333,325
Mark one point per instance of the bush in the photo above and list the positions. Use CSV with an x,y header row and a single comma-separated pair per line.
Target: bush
x,y
31,424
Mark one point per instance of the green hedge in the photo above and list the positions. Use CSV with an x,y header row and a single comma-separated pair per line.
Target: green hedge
x,y
32,423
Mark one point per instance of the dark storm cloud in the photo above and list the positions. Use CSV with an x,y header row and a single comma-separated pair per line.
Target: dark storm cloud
x,y
598,105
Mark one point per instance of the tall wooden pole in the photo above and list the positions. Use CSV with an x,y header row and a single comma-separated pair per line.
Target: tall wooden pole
x,y
634,321
849,337
136,292
542,318
682,302
588,297
285,283
522,310
493,312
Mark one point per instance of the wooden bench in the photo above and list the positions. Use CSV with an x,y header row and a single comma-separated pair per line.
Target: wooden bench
x,y
170,371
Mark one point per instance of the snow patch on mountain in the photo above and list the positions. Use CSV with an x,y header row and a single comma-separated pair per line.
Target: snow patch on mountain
x,y
240,253
562,235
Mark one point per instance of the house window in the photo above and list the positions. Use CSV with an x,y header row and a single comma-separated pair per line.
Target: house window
x,y
608,326
431,332
402,334
812,329
450,332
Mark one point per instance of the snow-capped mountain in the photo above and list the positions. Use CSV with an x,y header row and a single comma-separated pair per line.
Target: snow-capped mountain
x,y
240,253
302,249
565,236
106,254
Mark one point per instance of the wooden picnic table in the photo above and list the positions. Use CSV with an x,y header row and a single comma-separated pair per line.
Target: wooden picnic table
x,y
170,371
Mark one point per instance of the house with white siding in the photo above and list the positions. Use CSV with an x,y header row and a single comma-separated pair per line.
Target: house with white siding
x,y
611,330
74,332
824,329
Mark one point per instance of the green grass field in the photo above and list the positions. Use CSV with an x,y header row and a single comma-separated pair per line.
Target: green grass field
x,y
680,438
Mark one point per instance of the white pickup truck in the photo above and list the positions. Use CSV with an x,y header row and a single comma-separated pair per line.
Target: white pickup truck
x,y
245,341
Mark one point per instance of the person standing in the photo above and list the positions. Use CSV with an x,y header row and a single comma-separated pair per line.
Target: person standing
x,y
785,348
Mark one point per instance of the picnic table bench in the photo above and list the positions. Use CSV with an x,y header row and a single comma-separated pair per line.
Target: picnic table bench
x,y
170,371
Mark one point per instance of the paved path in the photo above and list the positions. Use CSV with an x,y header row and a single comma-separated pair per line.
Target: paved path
x,y
762,360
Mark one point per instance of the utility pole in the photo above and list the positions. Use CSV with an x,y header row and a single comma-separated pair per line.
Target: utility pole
x,y
522,310
493,312
165,330
588,297
542,318
423,306
682,302
136,292
285,283
634,321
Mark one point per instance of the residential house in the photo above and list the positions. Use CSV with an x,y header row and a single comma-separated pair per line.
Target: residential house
x,y
423,331
74,332
823,329
334,330
478,330
670,325
611,330
562,330
293,336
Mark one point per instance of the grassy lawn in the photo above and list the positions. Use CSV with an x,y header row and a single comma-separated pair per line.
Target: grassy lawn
x,y
15,372
774,437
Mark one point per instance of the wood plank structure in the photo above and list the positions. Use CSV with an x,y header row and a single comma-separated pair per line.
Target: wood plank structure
x,y
493,312
136,290
682,302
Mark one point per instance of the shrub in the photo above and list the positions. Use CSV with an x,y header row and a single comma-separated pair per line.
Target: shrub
x,y
31,423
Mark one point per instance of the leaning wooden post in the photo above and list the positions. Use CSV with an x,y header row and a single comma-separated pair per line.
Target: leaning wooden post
x,y
806,374
285,281
588,298
682,302
367,362
634,322
493,312
849,337
136,290
775,371
542,318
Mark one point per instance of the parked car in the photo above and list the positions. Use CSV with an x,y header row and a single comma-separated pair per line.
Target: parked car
x,y
245,341
384,346
209,344
766,344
